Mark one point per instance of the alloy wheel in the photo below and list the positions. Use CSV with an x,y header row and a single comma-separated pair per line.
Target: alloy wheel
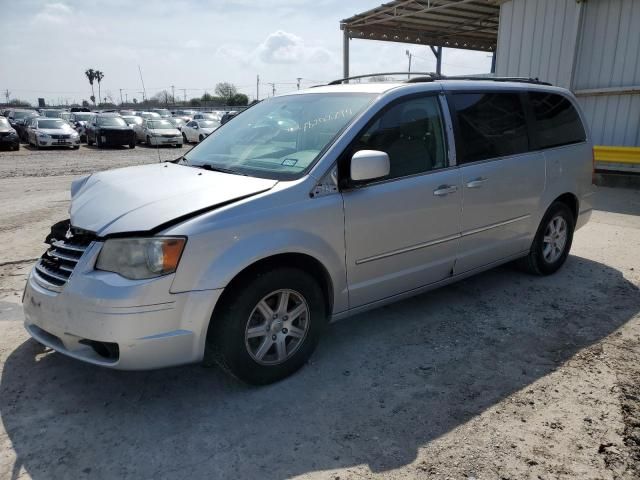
x,y
277,327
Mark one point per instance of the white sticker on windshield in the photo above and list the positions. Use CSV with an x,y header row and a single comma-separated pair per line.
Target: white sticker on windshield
x,y
289,162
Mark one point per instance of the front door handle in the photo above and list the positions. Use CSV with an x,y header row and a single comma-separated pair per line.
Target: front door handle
x,y
444,190
476,182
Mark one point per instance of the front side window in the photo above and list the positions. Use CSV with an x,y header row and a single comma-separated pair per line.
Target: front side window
x,y
489,125
411,133
556,121
281,137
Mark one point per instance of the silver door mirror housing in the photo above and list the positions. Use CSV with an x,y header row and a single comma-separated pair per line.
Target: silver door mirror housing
x,y
369,165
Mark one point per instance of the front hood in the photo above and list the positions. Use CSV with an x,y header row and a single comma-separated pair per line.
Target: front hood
x,y
56,131
142,198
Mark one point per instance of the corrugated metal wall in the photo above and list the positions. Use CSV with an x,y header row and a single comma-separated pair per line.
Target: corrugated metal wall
x,y
537,38
547,39
609,56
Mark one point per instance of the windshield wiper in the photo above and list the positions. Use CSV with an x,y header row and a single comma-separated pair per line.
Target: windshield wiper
x,y
211,168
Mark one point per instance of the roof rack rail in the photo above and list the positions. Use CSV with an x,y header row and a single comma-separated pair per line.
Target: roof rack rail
x,y
434,77
356,77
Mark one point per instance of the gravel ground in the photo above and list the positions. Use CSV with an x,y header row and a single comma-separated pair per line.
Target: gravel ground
x,y
501,376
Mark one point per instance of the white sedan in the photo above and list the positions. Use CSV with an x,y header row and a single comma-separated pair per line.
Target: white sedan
x,y
198,130
161,132
52,132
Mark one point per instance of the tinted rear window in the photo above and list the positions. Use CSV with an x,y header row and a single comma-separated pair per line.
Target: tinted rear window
x,y
490,125
556,121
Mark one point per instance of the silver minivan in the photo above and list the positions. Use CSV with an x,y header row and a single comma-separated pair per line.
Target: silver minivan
x,y
307,208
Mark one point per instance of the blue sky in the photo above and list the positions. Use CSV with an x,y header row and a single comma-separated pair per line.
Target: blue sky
x,y
191,44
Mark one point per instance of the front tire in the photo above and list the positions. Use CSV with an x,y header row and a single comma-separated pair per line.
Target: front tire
x,y
184,138
552,243
268,327
99,141
200,138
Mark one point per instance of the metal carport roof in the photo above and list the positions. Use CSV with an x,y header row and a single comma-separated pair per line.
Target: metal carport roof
x,y
466,24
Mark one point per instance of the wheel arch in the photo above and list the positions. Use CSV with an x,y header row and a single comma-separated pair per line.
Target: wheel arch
x,y
570,200
301,261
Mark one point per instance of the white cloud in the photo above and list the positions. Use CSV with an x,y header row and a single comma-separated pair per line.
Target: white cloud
x,y
282,47
53,13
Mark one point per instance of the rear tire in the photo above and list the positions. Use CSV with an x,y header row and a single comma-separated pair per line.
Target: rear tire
x,y
292,326
89,141
552,243
98,141
178,145
149,142
184,138
200,138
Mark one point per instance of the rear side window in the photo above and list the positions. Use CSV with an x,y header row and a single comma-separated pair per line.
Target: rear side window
x,y
489,125
556,121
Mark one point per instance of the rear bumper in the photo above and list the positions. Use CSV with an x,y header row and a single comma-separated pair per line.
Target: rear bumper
x,y
95,311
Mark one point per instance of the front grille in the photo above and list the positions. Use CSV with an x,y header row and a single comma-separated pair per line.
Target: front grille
x,y
61,137
169,135
57,264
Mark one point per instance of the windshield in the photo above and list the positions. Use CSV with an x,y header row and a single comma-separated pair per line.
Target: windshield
x,y
207,124
176,121
52,123
111,121
133,120
210,116
279,138
82,117
150,115
52,113
158,124
22,114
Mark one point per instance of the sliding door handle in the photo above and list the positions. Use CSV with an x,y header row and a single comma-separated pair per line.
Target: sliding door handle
x,y
476,182
444,190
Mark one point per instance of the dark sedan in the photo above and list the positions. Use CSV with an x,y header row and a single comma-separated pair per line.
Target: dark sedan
x,y
8,136
109,130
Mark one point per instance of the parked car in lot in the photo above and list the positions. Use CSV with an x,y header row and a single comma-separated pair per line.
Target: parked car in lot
x,y
55,113
8,136
176,122
228,116
145,115
52,132
127,113
205,116
161,132
133,121
163,112
198,130
79,121
16,114
109,130
21,125
311,207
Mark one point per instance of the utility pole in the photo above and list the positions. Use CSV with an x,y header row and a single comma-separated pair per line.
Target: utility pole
x,y
120,96
7,94
257,87
273,88
126,98
144,90
298,83
409,54
184,93
173,94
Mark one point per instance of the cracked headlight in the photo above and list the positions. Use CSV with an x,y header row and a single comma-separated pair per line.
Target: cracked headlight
x,y
141,258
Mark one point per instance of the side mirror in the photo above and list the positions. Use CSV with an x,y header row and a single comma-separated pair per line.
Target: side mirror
x,y
369,165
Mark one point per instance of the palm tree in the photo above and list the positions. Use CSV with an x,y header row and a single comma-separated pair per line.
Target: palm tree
x,y
99,77
91,75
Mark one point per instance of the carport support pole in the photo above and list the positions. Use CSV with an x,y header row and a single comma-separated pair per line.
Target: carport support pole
x,y
493,62
345,53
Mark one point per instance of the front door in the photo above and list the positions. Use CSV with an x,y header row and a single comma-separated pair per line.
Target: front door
x,y
402,231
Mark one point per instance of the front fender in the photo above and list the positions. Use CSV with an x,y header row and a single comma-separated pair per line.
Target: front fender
x,y
212,258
